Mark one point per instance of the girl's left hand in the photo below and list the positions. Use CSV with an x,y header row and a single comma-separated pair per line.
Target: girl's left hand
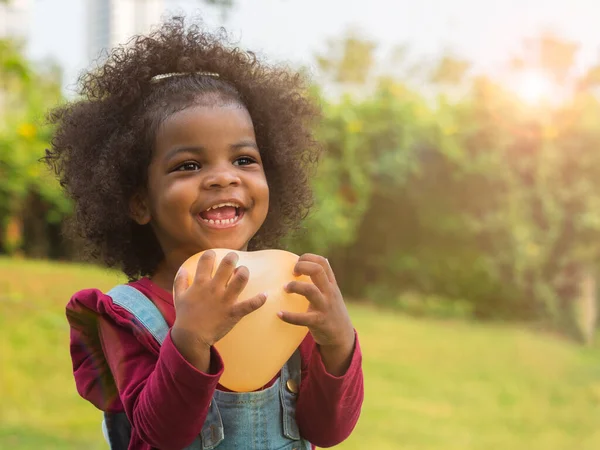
x,y
327,317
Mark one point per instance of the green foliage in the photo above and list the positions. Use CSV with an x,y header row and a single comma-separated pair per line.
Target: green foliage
x,y
450,70
480,203
483,200
348,60
25,96
554,54
517,191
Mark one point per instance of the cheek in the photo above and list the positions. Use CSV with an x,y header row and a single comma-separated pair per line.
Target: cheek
x,y
263,191
174,198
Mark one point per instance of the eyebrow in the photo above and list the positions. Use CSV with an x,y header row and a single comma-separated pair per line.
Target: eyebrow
x,y
199,150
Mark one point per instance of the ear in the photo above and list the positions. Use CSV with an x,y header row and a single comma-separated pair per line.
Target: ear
x,y
138,209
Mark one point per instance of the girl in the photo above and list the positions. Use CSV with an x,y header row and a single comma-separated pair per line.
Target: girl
x,y
180,144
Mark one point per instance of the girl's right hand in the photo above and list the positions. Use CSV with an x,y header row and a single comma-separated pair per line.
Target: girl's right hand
x,y
208,309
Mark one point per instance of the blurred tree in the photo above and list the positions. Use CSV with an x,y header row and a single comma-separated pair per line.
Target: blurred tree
x,y
556,55
450,70
481,199
342,183
590,81
349,60
549,53
25,96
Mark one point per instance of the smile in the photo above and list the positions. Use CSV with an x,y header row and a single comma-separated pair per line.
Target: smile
x,y
225,215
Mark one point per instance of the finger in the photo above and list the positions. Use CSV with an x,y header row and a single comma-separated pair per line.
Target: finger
x,y
323,262
315,272
226,268
245,307
205,266
237,282
300,319
181,282
308,290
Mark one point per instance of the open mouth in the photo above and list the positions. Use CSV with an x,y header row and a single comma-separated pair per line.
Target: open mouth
x,y
223,215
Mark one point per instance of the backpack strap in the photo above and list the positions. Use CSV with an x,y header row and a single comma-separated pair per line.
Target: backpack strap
x,y
142,308
115,426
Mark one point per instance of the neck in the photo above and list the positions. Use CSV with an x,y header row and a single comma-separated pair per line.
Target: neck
x,y
164,276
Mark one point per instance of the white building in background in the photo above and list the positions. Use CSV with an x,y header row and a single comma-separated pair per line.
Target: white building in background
x,y
114,22
14,19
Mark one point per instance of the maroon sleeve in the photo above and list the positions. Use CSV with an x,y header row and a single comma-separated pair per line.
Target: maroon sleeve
x,y
165,397
328,406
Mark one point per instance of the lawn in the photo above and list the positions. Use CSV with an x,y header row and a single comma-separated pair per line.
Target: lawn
x,y
429,384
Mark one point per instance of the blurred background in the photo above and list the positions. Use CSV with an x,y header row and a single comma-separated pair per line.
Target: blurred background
x,y
458,200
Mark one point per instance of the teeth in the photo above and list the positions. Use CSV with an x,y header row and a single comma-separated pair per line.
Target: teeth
x,y
221,221
220,205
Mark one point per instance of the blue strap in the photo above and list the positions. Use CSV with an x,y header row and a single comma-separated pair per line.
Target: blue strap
x,y
291,370
142,308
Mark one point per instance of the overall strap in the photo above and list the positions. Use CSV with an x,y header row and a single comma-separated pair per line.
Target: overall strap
x,y
142,308
116,426
288,390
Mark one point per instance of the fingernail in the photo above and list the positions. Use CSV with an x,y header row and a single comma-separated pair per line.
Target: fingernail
x,y
280,314
266,294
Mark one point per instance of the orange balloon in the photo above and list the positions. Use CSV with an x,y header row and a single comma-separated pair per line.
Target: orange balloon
x,y
258,346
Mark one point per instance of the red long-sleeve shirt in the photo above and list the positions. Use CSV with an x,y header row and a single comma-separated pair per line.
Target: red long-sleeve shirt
x,y
165,397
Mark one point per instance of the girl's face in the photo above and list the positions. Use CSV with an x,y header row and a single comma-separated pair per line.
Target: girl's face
x,y
206,183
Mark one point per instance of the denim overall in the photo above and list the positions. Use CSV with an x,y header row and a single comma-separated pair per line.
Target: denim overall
x,y
261,420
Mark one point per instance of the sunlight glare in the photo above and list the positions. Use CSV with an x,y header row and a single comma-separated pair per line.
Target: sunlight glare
x,y
533,86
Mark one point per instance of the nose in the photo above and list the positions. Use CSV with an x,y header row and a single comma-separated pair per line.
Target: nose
x,y
221,177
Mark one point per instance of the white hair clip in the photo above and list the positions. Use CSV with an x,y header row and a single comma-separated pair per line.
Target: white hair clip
x,y
162,76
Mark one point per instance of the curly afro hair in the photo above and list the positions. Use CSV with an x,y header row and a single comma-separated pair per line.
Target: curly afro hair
x,y
103,143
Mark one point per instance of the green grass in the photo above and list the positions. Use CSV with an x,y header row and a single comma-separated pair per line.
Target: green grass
x,y
429,384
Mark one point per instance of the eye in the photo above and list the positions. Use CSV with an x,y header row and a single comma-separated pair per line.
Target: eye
x,y
244,161
187,166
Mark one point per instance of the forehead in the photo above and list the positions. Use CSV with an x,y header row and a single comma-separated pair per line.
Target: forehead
x,y
205,125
